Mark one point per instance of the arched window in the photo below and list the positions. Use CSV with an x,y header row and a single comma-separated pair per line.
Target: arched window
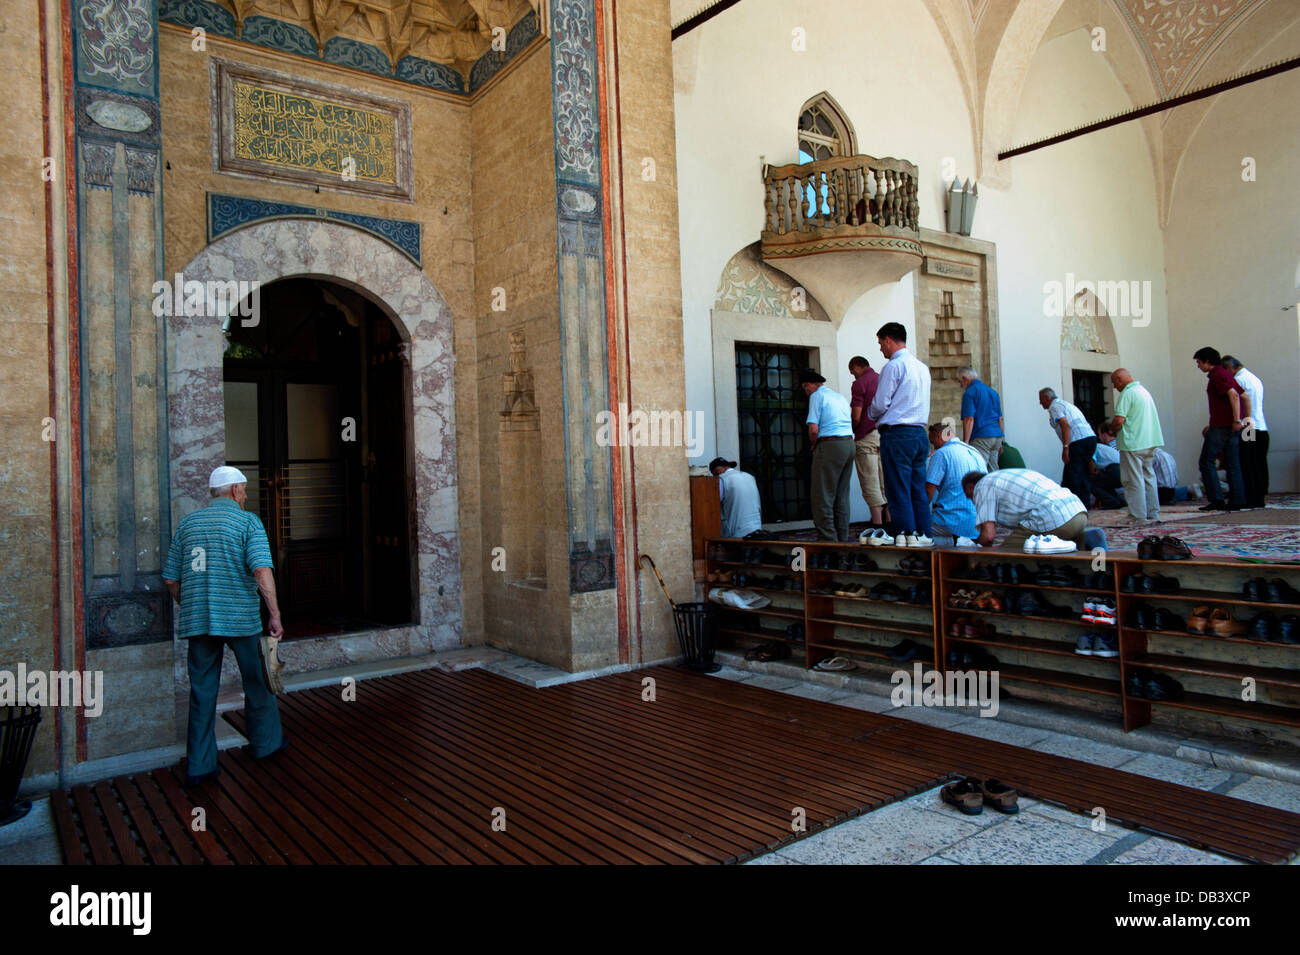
x,y
824,133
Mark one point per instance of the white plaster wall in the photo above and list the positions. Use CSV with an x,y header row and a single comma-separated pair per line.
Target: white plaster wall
x,y
1233,249
740,86
1088,207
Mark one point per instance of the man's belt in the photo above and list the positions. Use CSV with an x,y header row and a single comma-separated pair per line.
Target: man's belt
x,y
836,437
891,427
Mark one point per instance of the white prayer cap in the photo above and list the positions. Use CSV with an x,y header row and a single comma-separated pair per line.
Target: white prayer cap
x,y
225,475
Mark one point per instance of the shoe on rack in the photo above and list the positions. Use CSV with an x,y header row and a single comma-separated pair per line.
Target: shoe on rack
x,y
1278,590
1051,544
1263,627
1288,630
900,540
879,537
1171,548
1031,545
1148,548
1100,580
1199,621
1103,611
1089,610
954,628
919,593
1167,585
1168,620
862,563
1143,617
1254,589
966,542
795,632
1131,584
1084,645
906,651
919,540
1105,645
886,591
1223,624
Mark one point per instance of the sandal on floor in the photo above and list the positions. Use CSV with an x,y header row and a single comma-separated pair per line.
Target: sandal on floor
x,y
836,664
1001,797
967,795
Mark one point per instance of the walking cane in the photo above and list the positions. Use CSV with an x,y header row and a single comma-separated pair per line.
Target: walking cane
x,y
660,578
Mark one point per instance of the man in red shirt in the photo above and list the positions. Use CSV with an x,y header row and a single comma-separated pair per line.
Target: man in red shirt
x,y
866,439
1228,406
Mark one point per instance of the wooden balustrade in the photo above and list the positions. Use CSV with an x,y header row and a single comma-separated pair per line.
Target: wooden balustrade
x,y
845,191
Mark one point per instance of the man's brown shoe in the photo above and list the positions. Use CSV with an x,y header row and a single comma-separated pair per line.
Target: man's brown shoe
x,y
1199,621
1223,625
1171,548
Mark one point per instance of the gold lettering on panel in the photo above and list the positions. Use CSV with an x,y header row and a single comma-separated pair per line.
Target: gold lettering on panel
x,y
304,132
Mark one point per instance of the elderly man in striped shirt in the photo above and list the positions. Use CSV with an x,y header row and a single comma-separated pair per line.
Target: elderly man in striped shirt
x,y
1047,518
1078,442
218,561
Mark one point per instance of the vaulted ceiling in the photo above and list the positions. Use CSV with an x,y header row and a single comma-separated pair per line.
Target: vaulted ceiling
x,y
455,32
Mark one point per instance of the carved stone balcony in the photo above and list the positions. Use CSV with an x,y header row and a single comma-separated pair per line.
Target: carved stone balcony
x,y
840,227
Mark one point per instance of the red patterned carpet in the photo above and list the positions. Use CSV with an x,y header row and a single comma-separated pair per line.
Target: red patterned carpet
x,y
1272,534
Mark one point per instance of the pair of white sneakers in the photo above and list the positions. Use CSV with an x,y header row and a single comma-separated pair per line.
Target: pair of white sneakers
x,y
879,537
1048,544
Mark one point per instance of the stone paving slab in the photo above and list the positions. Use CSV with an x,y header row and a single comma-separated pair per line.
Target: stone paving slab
x,y
1085,750
1029,839
1178,771
897,834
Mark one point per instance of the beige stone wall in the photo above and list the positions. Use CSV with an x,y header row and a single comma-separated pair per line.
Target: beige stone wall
x,y
515,251
654,307
26,584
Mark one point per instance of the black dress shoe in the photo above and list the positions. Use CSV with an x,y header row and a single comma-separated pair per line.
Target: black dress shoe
x,y
1213,506
1172,548
1168,620
887,591
1279,591
1148,584
1254,589
1288,630
905,651
1164,687
1132,584
1143,617
1167,585
1263,627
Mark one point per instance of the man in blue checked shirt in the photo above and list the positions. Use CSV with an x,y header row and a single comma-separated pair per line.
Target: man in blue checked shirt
x,y
952,514
218,561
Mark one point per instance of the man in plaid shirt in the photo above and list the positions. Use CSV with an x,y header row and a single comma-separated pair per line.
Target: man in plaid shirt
x,y
1026,501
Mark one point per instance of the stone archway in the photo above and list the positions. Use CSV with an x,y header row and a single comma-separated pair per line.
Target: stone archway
x,y
311,248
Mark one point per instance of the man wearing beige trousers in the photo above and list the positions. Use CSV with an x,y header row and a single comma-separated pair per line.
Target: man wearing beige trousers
x,y
1137,432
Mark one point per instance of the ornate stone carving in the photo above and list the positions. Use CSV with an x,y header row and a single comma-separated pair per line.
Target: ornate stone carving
x,y
97,164
116,44
518,405
750,286
141,170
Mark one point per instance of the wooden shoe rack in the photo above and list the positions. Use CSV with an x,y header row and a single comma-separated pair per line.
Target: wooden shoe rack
x,y
1030,649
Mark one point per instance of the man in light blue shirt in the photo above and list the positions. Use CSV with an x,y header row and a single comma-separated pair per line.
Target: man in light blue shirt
x,y
830,431
952,514
1078,441
1107,481
901,410
741,504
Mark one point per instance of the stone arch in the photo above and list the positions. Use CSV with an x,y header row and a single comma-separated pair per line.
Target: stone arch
x,y
309,248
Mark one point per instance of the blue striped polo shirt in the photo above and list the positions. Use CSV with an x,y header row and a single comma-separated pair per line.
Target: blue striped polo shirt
x,y
221,600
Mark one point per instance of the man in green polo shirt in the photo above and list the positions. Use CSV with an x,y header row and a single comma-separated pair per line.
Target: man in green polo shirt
x,y
1137,432
218,560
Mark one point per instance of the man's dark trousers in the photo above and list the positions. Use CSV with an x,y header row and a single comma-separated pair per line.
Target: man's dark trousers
x,y
1107,485
1223,441
260,709
1075,476
903,453
1254,467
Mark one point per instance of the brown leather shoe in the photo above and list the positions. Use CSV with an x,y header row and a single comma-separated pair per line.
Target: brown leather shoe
x,y
967,796
1199,621
1222,623
1171,548
1149,548
1000,796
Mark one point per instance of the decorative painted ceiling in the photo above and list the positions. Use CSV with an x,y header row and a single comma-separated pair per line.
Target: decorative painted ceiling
x,y
1176,36
449,45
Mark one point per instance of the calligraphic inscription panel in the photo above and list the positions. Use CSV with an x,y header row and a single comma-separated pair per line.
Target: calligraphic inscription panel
x,y
269,125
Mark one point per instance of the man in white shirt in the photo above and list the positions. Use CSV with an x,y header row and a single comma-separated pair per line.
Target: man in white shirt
x,y
901,410
741,504
1078,442
1254,437
830,431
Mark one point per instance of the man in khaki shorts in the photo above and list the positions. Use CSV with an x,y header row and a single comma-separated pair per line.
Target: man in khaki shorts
x,y
866,441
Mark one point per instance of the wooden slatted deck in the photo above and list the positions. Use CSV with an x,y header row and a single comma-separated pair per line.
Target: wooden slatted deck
x,y
414,769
